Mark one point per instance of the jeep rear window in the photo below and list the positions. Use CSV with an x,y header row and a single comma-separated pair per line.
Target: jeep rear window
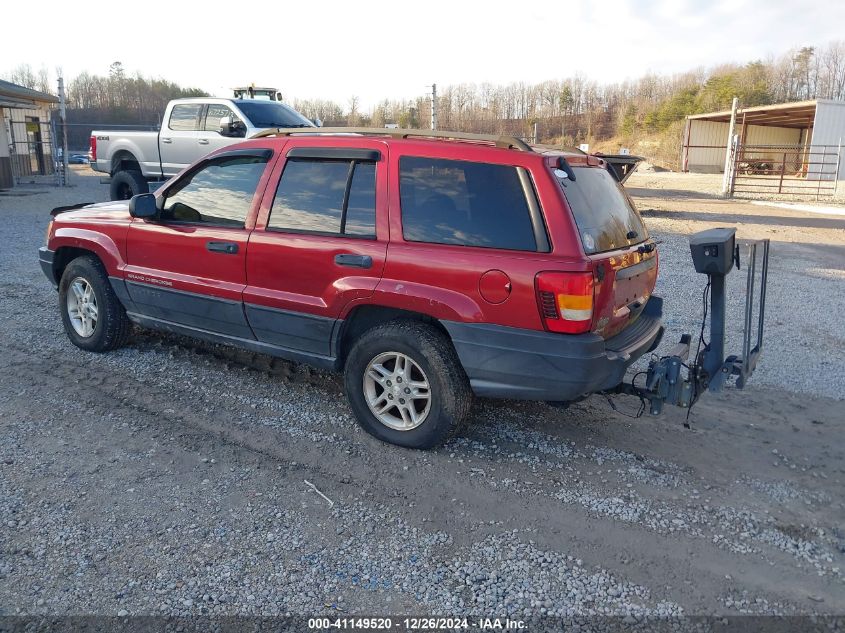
x,y
464,203
605,215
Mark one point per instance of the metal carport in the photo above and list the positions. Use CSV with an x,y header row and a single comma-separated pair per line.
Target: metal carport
x,y
784,147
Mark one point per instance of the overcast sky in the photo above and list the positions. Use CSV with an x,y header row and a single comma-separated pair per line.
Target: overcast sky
x,y
333,50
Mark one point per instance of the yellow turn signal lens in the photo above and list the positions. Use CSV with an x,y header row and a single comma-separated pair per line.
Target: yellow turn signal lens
x,y
575,307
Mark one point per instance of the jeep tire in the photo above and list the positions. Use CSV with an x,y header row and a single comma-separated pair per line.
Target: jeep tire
x,y
406,385
92,315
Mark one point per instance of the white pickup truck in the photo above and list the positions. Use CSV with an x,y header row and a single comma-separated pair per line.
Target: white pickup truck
x,y
190,129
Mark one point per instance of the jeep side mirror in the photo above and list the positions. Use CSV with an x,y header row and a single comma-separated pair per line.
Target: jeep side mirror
x,y
143,206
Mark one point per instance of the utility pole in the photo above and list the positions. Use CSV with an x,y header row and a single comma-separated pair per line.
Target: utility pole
x,y
433,106
63,117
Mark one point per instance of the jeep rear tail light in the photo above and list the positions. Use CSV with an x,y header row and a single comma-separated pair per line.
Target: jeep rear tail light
x,y
92,149
566,301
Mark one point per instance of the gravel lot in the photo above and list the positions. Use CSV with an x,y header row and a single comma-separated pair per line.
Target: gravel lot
x,y
807,277
169,477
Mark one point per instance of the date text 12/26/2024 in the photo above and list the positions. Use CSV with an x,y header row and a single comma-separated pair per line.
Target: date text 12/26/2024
x,y
416,624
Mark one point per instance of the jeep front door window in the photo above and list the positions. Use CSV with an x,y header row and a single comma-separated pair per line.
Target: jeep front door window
x,y
219,193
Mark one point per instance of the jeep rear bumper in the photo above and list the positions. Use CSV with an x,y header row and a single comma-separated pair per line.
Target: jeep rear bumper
x,y
505,362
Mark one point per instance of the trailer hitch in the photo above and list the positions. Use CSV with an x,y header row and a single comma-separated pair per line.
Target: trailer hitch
x,y
672,379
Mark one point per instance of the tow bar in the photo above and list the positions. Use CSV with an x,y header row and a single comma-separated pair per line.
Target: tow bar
x,y
714,253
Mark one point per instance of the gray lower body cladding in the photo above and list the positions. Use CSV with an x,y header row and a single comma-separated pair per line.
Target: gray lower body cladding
x,y
45,259
299,338
501,362
504,362
292,330
199,311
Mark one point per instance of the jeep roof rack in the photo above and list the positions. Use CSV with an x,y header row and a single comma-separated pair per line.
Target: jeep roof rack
x,y
506,142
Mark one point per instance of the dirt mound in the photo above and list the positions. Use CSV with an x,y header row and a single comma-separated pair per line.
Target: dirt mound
x,y
648,168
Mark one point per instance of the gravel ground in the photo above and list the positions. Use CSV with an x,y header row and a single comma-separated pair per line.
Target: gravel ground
x,y
175,477
807,278
711,185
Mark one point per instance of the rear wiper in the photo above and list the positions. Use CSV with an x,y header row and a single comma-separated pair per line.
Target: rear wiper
x,y
566,168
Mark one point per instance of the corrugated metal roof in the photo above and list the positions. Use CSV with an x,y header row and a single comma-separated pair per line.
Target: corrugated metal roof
x,y
799,114
14,102
8,102
8,89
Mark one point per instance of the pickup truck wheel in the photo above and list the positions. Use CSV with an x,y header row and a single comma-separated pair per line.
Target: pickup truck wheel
x,y
128,183
406,386
93,316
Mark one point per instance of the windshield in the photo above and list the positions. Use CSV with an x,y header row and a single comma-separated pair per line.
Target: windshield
x,y
272,114
605,215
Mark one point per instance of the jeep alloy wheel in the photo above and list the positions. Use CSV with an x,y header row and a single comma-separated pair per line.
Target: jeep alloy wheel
x,y
406,385
397,391
82,307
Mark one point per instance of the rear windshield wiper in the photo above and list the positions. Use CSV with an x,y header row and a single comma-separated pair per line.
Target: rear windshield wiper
x,y
566,168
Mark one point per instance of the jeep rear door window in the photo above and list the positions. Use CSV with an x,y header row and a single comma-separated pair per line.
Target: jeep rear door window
x,y
361,208
465,203
606,217
220,193
185,117
336,197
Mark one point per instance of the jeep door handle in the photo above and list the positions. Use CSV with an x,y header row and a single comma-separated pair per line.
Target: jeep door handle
x,y
166,140
203,141
228,248
353,261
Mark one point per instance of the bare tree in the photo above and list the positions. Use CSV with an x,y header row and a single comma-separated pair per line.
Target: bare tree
x,y
23,76
354,118
832,71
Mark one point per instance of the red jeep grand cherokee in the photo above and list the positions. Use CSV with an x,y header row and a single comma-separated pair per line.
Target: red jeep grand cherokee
x,y
427,266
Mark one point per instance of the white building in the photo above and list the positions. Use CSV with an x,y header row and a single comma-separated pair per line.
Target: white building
x,y
25,139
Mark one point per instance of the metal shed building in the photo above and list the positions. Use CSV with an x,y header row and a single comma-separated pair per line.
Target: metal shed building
x,y
787,144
